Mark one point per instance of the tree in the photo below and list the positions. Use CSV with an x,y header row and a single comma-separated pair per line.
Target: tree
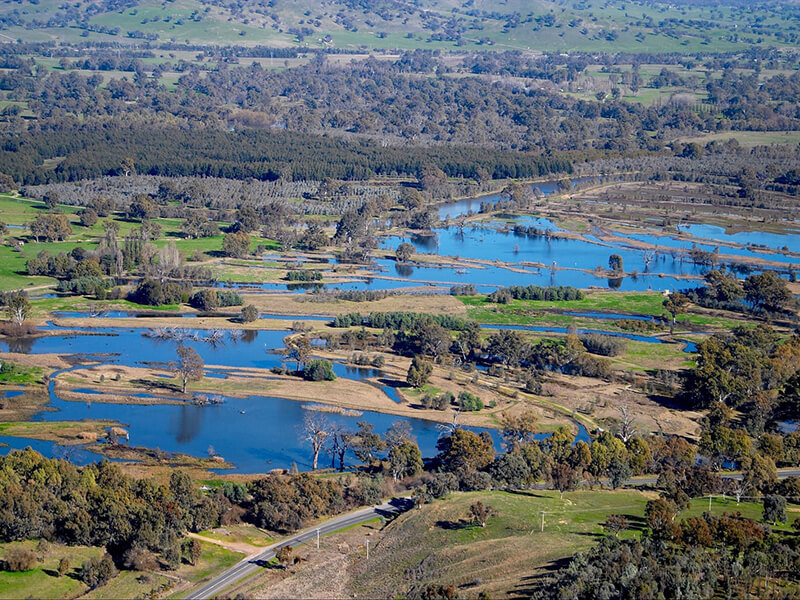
x,y
767,291
236,244
249,314
97,572
405,460
724,287
319,370
518,430
51,200
50,227
774,509
511,471
465,450
284,555
206,299
6,183
18,308
675,304
563,477
481,512
142,208
615,523
341,443
404,252
63,566
189,366
760,474
247,219
88,217
316,430
419,372
615,263
195,551
660,515
298,348
619,472
366,443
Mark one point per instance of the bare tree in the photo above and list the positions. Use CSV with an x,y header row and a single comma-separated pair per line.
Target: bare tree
x,y
398,434
18,308
189,366
340,444
627,427
316,430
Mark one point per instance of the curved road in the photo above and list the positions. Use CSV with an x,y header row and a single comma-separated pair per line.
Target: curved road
x,y
249,565
392,508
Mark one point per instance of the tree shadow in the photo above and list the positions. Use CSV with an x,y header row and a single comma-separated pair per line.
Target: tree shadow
x,y
50,573
532,584
150,384
527,493
454,525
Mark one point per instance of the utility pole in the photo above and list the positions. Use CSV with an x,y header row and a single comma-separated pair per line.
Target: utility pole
x,y
709,502
317,538
542,520
367,548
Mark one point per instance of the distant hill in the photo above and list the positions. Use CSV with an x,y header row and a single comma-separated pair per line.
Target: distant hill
x,y
536,25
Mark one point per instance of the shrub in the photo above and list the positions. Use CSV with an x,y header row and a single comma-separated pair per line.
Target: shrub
x,y
319,370
19,560
304,275
605,345
205,299
469,402
249,314
152,293
97,572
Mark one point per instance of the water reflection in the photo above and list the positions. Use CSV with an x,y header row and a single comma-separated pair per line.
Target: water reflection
x,y
186,424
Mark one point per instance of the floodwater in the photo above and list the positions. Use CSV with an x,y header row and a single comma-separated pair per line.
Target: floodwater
x,y
255,433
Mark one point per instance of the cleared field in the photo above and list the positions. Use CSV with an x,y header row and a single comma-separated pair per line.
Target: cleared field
x,y
439,545
748,139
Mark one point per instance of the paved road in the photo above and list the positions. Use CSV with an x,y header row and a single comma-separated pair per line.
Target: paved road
x,y
249,565
391,508
782,474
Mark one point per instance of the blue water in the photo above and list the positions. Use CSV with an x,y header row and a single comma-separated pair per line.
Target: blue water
x,y
256,433
463,207
614,316
677,243
76,454
775,241
488,244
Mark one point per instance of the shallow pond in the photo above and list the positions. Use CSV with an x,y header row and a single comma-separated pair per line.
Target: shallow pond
x,y
485,244
256,433
463,207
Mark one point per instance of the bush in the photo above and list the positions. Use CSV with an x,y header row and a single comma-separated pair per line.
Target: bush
x,y
304,275
205,299
152,293
19,560
319,370
229,299
249,314
605,345
97,572
469,402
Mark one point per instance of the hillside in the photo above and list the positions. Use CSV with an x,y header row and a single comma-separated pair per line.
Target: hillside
x,y
543,25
